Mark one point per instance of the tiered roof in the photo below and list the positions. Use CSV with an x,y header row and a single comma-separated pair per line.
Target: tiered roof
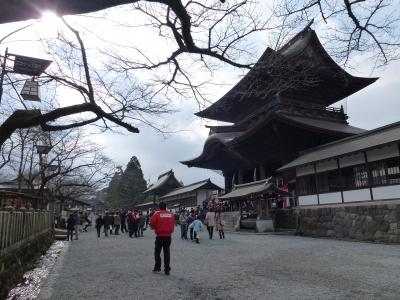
x,y
301,69
280,107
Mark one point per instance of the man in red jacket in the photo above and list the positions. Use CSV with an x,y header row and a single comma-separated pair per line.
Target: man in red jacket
x,y
163,223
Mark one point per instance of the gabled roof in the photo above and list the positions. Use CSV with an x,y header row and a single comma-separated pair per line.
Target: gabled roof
x,y
163,180
204,184
253,90
14,184
254,188
13,194
367,140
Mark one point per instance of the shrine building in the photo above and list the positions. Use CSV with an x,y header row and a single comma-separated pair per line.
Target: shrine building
x,y
281,107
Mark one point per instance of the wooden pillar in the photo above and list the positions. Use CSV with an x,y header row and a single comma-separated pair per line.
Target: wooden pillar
x,y
369,175
229,176
316,181
341,179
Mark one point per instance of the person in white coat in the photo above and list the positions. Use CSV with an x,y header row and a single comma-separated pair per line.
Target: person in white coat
x,y
210,222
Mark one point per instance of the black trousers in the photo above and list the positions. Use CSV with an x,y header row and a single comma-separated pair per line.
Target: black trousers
x,y
210,231
162,242
191,233
98,231
123,226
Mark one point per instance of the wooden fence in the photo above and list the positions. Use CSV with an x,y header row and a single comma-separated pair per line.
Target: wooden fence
x,y
19,227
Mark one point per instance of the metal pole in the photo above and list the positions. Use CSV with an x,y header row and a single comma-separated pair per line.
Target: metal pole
x,y
3,72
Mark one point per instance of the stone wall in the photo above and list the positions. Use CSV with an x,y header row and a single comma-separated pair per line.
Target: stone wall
x,y
374,222
284,218
24,236
15,263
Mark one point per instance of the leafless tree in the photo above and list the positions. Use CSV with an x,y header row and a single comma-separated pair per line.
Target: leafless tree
x,y
202,33
6,152
194,36
351,26
73,168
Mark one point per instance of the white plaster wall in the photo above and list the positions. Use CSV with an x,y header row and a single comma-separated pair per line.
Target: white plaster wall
x,y
382,153
352,160
330,198
306,170
326,165
308,200
386,192
356,195
201,196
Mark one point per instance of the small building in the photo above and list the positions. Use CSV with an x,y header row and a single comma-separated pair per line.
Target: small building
x,y
165,183
364,167
191,195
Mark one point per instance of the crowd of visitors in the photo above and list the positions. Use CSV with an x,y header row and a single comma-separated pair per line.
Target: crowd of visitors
x,y
193,222
133,222
75,223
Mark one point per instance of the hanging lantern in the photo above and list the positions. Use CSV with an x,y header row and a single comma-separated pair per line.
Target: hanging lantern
x,y
30,91
43,149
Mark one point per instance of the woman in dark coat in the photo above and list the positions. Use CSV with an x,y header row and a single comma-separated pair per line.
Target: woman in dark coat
x,y
99,223
70,227
132,224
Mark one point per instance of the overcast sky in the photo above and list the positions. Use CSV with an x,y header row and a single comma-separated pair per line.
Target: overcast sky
x,y
374,106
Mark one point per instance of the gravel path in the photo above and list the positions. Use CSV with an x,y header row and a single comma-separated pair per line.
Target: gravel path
x,y
243,266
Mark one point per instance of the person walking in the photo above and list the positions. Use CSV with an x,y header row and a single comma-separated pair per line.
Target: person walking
x,y
141,220
163,223
106,223
210,222
111,218
189,221
147,218
99,223
132,224
183,223
70,227
220,223
197,226
117,223
123,221
88,222
77,224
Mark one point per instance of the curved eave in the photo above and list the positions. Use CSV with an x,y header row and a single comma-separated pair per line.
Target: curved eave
x,y
316,125
216,110
215,143
296,47
160,184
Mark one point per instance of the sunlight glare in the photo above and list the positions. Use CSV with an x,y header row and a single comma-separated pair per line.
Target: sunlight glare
x,y
50,18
